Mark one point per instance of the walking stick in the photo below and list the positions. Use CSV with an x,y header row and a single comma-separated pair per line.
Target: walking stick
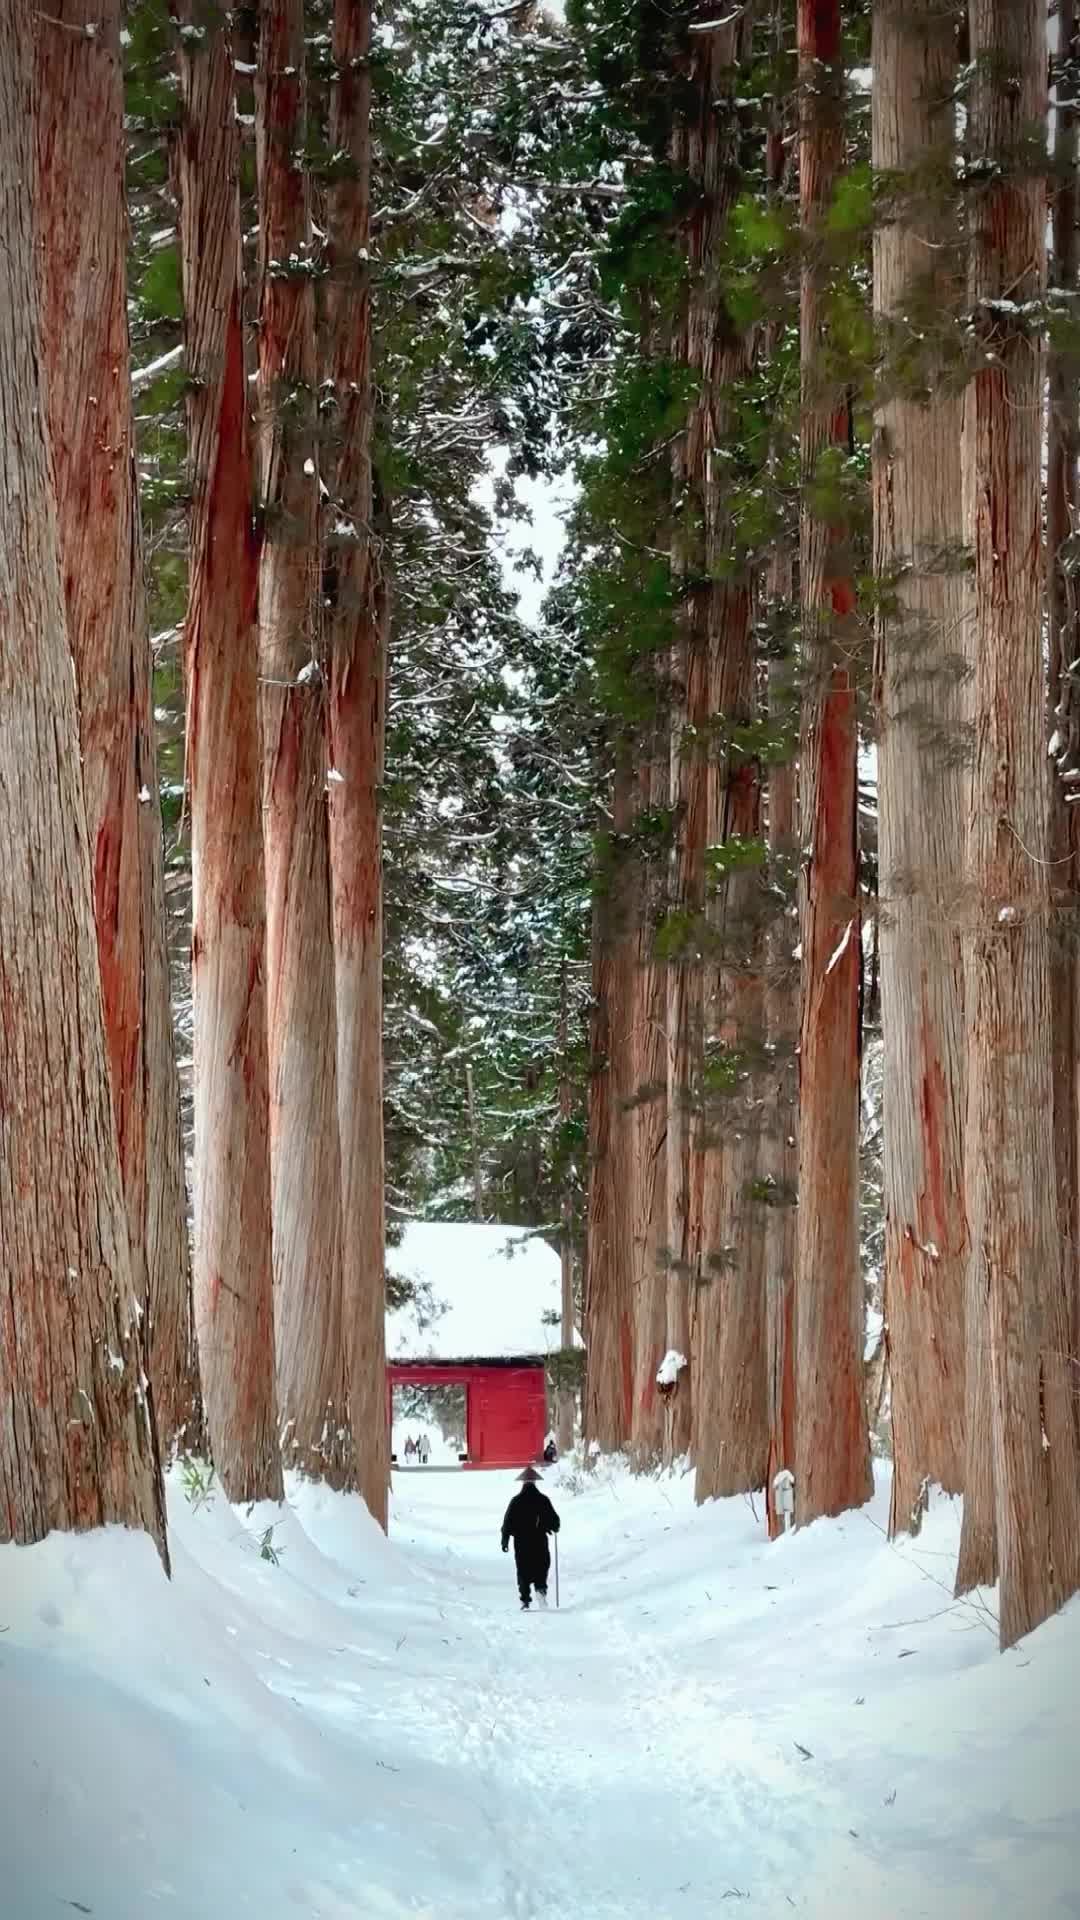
x,y
556,1570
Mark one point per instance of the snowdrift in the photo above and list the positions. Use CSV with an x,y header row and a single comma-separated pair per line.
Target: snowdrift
x,y
312,1720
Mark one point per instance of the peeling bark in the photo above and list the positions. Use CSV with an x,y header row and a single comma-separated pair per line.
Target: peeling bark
x,y
832,1447
78,1439
304,1148
357,593
923,641
232,1261
1017,1254
80,132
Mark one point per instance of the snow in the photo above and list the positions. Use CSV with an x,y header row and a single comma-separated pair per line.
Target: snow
x,y
841,948
670,1368
443,1452
312,1721
487,1290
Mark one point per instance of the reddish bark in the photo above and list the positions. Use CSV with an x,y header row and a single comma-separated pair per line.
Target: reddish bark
x,y
304,1149
832,1450
609,1384
1017,1263
80,126
567,1398
358,617
923,702
1063,595
688,804
648,1149
78,1440
233,1269
722,801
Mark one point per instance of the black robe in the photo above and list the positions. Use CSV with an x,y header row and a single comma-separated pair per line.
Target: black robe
x,y
529,1519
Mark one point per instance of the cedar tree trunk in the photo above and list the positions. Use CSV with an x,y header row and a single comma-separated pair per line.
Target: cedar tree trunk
x,y
304,1153
609,1380
233,1272
730,1432
1017,1254
1062,525
566,1402
923,695
648,1143
78,1444
832,1449
80,124
780,1151
356,593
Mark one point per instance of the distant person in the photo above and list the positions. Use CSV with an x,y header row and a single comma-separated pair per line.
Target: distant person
x,y
551,1454
423,1449
530,1518
410,1448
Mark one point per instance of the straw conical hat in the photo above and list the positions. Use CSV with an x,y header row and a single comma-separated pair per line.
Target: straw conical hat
x,y
530,1474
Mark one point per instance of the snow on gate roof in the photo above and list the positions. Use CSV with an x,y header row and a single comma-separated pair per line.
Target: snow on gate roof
x,y
484,1293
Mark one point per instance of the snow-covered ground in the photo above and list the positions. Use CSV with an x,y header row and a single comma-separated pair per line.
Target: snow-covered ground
x,y
443,1452
350,1728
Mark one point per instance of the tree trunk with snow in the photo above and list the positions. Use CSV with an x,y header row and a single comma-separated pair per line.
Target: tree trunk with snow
x,y
474,1141
233,1268
609,1333
832,1450
923,701
78,1441
1017,1253
357,597
304,1151
80,129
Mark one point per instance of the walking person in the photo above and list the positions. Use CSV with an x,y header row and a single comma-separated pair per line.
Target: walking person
x,y
423,1449
529,1519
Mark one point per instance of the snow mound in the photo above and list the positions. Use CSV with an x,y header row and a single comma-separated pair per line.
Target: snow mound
x,y
496,1293
311,1722
670,1368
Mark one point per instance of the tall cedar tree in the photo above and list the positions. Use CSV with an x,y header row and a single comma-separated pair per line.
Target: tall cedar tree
x,y
304,1153
78,1443
923,629
730,1430
84,298
688,728
233,1272
832,1451
1063,588
780,1142
648,1146
567,1399
609,1335
687,795
780,1089
357,595
1017,1262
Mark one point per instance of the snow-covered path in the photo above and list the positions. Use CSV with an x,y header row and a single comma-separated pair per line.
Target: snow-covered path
x,y
350,1728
